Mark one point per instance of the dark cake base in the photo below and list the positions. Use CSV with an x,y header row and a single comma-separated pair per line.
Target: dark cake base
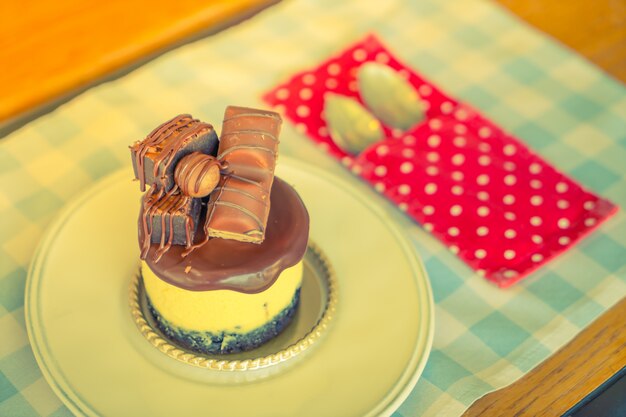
x,y
226,342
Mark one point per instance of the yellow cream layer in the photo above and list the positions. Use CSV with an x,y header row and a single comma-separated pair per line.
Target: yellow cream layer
x,y
221,310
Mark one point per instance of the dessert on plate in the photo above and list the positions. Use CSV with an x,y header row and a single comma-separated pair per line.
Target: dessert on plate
x,y
221,239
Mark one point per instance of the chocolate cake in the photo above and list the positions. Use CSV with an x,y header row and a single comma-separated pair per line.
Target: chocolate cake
x,y
222,239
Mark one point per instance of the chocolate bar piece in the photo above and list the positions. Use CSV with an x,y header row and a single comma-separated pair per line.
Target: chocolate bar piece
x,y
239,206
155,157
168,219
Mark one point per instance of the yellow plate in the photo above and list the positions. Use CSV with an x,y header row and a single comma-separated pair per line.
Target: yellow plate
x,y
89,349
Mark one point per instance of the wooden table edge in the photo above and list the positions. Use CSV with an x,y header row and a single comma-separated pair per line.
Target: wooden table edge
x,y
567,376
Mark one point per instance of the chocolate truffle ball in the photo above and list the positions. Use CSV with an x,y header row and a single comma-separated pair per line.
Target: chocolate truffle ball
x,y
197,174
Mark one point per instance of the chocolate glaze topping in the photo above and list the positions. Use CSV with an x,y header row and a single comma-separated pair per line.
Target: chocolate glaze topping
x,y
239,266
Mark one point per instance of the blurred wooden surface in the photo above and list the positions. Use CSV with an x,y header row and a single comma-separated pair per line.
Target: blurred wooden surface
x,y
594,28
49,49
565,378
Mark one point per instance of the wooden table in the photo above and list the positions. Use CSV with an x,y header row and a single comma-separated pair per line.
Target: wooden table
x,y
77,44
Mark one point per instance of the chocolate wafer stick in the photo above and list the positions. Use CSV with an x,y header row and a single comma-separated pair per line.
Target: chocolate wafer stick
x,y
239,206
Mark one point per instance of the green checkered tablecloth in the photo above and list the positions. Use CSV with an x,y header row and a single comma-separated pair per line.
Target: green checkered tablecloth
x,y
485,338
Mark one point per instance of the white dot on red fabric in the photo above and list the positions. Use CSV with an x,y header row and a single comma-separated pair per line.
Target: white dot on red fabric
x,y
357,169
536,200
484,132
430,188
510,233
562,204
457,175
379,186
460,129
536,257
433,141
404,189
301,127
380,170
404,74
359,55
534,168
457,190
484,147
537,239
308,79
353,86
382,58
480,253
446,107
482,211
322,131
432,157
382,150
428,227
459,141
563,223
536,221
425,104
324,146
303,111
456,210
508,199
509,166
408,153
482,231
425,90
510,179
461,114
454,249
564,240
590,221
396,133
482,179
331,83
509,215
561,187
536,184
509,273
428,210
509,149
403,206
435,124
458,159
306,93
334,69
482,195
346,160
432,170
509,254
484,160
282,93
453,231
406,167
589,205
409,140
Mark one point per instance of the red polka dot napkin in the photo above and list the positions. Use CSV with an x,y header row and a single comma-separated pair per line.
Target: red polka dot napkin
x,y
497,205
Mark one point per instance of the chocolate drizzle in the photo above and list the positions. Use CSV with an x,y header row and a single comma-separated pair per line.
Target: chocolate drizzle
x,y
239,266
165,141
